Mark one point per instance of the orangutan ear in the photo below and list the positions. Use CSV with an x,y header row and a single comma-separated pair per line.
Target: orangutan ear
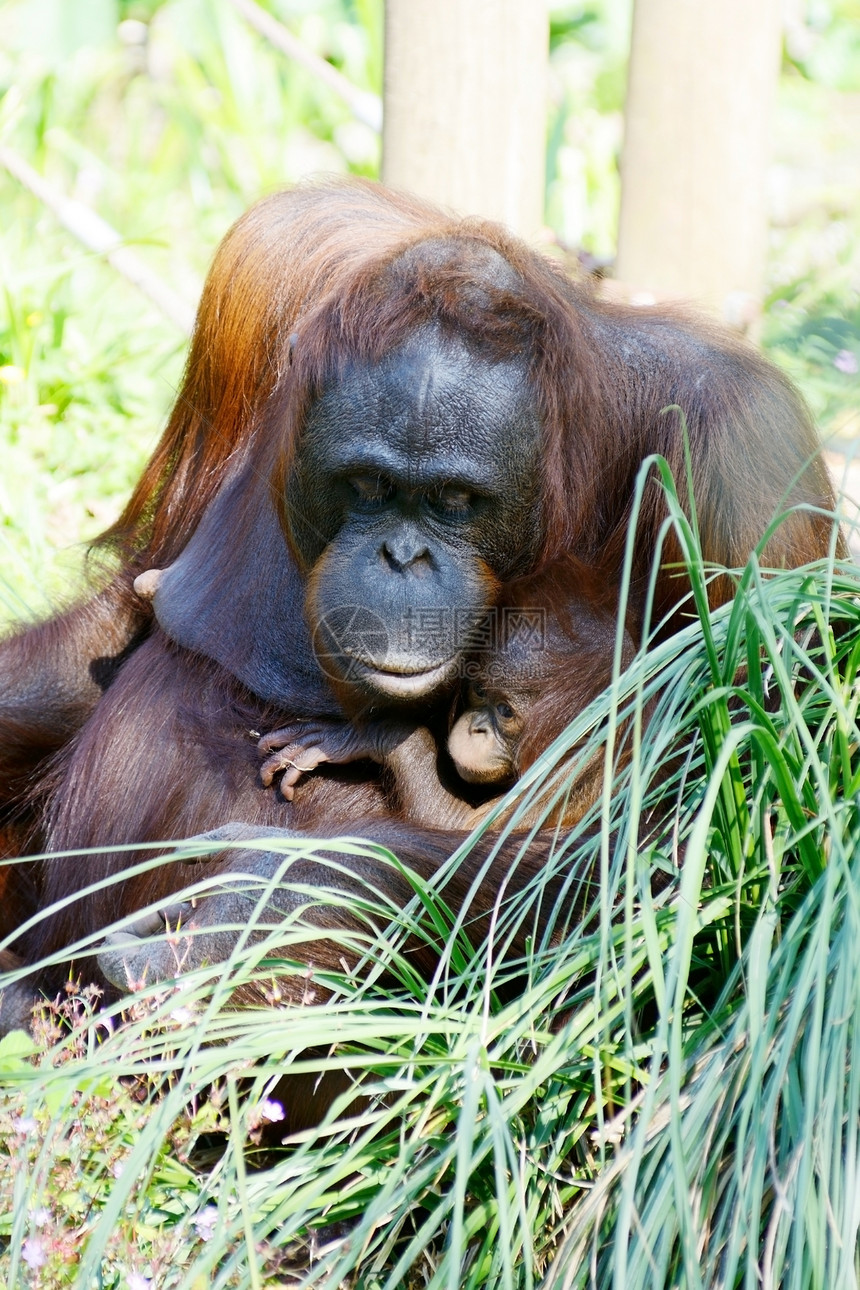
x,y
235,595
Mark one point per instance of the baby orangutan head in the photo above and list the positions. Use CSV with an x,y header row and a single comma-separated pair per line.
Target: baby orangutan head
x,y
484,740
523,693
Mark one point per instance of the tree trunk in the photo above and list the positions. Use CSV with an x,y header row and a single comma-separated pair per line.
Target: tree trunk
x,y
701,89
465,105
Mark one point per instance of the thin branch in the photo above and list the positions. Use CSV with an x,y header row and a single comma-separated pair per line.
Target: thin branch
x,y
97,235
364,106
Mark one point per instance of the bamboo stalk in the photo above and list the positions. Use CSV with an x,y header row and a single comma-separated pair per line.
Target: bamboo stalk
x,y
97,235
364,106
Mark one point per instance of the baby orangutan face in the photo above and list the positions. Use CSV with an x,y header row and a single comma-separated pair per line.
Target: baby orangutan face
x,y
484,740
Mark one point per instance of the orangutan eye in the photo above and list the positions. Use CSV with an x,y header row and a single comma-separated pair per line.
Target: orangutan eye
x,y
505,711
371,490
450,502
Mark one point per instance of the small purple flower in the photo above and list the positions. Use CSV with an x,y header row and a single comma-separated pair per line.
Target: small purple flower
x,y
205,1223
33,1253
136,1281
846,361
270,1110
24,1124
40,1217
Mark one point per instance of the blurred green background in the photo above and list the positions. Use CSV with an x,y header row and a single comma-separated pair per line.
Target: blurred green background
x,y
168,117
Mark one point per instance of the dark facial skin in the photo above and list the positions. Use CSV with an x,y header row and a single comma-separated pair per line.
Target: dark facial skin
x,y
421,474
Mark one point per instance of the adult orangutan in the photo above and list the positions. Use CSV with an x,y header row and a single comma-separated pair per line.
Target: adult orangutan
x,y
387,415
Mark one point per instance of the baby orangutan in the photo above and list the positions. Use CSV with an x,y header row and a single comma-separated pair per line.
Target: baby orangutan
x,y
552,655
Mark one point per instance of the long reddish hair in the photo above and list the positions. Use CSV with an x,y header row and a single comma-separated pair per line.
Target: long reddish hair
x,y
315,278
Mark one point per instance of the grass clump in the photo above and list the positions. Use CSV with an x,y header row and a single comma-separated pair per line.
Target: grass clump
x,y
662,1091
